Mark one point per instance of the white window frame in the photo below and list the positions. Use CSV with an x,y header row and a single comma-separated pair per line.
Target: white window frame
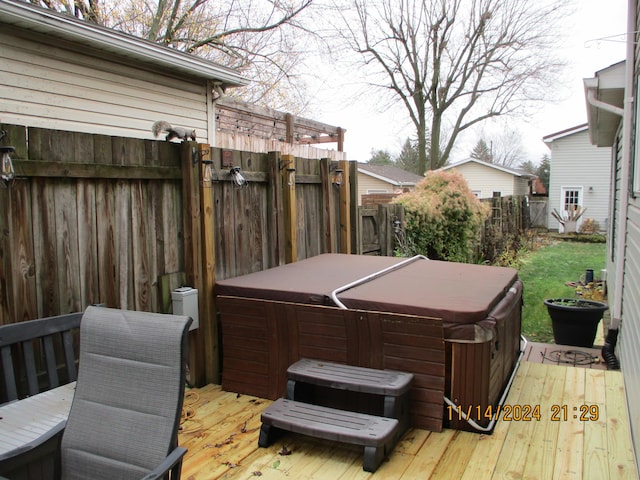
x,y
567,188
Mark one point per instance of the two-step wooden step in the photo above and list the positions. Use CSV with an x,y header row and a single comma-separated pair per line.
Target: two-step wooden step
x,y
378,434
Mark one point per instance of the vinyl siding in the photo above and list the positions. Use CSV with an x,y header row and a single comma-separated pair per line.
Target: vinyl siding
x,y
575,163
614,226
486,180
629,336
367,182
53,87
520,186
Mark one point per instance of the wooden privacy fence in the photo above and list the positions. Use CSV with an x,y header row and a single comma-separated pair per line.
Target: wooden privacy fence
x,y
380,227
95,219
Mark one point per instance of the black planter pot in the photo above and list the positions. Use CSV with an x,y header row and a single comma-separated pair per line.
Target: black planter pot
x,y
575,321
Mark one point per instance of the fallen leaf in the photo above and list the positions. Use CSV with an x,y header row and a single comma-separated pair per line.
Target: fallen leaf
x,y
276,464
257,473
284,451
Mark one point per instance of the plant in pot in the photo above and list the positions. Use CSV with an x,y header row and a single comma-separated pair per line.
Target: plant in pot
x,y
575,320
569,218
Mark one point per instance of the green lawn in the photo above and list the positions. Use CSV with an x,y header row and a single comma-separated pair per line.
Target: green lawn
x,y
544,273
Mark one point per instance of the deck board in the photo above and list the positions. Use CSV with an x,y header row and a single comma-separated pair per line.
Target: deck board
x,y
222,438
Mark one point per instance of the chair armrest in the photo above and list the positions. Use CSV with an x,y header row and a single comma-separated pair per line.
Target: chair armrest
x,y
41,440
33,455
174,459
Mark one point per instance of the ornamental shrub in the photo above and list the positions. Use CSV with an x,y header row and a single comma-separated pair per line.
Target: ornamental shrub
x,y
443,218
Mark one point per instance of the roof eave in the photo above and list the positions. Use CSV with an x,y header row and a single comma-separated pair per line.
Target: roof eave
x,y
604,104
41,20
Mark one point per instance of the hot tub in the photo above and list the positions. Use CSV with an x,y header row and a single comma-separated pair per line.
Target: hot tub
x,y
455,326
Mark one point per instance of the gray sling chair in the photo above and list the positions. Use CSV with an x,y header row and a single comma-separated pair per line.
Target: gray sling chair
x,y
125,415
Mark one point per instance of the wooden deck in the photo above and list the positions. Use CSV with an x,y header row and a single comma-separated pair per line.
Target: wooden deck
x,y
221,432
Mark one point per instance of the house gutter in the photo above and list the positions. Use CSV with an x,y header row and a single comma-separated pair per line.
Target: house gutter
x,y
49,22
592,88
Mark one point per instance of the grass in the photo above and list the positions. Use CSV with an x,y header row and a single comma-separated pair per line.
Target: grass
x,y
544,273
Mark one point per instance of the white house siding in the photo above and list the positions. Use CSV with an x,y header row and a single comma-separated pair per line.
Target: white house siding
x,y
629,338
42,85
486,180
520,186
614,209
367,183
629,334
577,163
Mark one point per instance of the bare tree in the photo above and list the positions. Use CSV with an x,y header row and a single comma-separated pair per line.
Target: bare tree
x,y
502,147
263,39
455,63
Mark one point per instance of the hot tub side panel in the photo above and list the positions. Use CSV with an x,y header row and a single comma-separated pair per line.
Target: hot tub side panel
x,y
479,371
261,338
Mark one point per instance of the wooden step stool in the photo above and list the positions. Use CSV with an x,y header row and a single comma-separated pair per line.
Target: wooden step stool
x,y
377,434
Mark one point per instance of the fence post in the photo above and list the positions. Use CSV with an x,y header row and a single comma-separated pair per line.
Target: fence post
x,y
290,217
353,205
206,307
193,249
328,216
345,210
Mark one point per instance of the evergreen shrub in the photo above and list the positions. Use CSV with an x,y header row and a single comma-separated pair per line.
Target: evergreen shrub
x,y
443,218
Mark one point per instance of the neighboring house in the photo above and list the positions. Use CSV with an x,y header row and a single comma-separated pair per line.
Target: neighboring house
x,y
58,72
579,177
614,117
487,179
384,179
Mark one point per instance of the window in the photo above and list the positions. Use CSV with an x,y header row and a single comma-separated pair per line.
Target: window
x,y
571,199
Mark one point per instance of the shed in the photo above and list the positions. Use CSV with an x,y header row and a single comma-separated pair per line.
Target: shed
x,y
59,72
384,179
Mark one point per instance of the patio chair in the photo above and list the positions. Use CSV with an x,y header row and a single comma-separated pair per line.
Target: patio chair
x,y
126,410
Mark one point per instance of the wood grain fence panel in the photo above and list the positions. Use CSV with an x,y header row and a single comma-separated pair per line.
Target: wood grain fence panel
x,y
128,151
5,259
102,150
21,277
68,276
107,234
142,248
165,197
87,243
123,245
158,216
44,240
173,232
257,224
242,232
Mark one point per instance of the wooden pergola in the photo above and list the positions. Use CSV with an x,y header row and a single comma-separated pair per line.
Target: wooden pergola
x,y
236,117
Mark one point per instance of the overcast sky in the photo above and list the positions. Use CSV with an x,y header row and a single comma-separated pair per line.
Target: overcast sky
x,y
368,128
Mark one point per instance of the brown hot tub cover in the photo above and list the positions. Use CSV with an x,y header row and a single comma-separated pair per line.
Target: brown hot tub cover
x,y
462,295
